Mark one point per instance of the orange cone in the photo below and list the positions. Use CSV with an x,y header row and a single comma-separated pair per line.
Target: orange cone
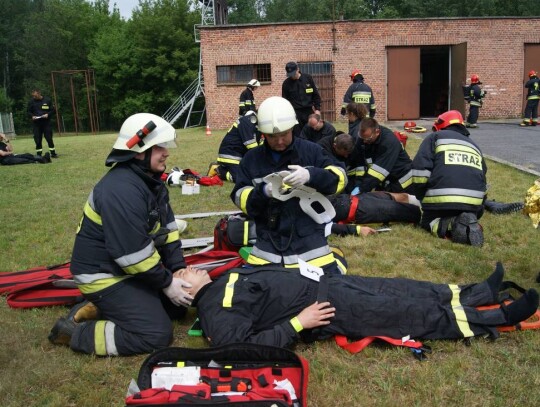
x,y
208,131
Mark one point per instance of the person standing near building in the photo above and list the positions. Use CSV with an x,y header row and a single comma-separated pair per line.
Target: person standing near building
x,y
530,117
300,90
448,176
475,98
359,92
317,128
247,100
41,108
286,235
127,247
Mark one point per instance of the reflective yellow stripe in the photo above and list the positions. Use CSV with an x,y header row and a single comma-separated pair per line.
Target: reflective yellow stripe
x,y
173,237
309,90
297,325
319,261
143,265
100,284
256,260
246,233
229,290
228,161
244,197
341,177
455,147
459,312
252,145
376,174
156,228
99,338
92,214
341,266
452,199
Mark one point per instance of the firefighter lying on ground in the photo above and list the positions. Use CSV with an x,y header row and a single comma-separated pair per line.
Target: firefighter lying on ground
x,y
126,250
285,233
278,306
7,157
241,137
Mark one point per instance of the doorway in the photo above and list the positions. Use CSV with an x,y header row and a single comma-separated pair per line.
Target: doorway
x,y
434,80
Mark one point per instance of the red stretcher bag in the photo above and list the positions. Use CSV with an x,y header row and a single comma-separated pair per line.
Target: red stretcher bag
x,y
242,374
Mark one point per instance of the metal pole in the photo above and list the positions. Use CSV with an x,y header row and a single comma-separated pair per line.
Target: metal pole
x,y
56,103
73,106
96,111
90,116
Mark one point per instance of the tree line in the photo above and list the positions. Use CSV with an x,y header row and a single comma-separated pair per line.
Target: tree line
x,y
144,63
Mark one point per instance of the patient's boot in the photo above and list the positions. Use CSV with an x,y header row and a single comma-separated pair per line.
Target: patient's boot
x,y
495,280
522,308
499,208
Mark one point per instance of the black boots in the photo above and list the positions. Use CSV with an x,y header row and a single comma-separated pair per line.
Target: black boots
x,y
467,230
499,208
63,329
522,308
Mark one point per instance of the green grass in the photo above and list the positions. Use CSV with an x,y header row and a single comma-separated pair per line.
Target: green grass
x,y
42,204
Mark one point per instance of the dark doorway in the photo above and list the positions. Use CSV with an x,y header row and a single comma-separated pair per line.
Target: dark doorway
x,y
434,80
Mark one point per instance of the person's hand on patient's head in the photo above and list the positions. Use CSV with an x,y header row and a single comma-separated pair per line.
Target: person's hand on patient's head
x,y
317,314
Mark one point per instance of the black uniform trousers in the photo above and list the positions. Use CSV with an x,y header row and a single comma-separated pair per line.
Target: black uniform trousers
x,y
142,316
473,114
397,307
531,110
380,207
15,159
43,128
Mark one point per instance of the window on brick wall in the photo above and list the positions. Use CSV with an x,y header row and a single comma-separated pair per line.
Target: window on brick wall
x,y
235,74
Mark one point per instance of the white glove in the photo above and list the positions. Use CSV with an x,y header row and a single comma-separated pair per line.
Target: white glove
x,y
176,292
298,176
267,189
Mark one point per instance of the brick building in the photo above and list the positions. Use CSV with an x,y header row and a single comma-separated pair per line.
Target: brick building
x,y
416,67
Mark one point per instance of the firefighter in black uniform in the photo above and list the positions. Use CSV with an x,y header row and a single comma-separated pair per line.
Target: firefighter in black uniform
x,y
359,92
317,128
449,176
241,137
126,250
475,99
247,100
8,158
530,117
40,109
286,234
278,307
300,90
385,159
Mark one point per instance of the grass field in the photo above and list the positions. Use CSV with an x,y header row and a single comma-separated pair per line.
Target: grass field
x,y
42,204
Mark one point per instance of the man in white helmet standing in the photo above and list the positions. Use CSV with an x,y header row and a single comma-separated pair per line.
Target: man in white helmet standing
x,y
286,235
126,250
247,100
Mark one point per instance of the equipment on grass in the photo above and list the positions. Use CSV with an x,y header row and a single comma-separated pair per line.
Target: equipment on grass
x,y
258,375
205,214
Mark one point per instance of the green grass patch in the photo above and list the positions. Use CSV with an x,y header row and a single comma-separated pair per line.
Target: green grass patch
x,y
42,204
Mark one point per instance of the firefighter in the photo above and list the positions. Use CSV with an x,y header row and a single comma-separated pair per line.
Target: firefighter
x,y
448,176
475,100
355,113
279,307
300,90
241,137
316,128
530,116
126,250
247,100
385,159
286,234
41,109
359,92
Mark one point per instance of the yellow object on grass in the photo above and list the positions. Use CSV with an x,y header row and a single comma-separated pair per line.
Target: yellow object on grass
x,y
532,203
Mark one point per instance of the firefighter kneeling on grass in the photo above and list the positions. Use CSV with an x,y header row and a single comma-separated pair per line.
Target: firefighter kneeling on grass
x,y
286,235
126,250
449,177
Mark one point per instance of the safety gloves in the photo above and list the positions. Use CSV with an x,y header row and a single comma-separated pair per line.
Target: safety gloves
x,y
298,176
176,292
267,189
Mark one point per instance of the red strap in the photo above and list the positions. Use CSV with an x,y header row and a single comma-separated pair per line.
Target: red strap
x,y
355,347
351,217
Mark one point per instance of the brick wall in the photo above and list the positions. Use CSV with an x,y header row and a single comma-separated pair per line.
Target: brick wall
x,y
495,51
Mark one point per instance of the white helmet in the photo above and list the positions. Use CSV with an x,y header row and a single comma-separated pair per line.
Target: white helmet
x,y
254,83
138,134
276,115
174,177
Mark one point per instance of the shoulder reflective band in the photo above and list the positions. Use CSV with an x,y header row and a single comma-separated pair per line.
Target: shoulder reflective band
x,y
142,133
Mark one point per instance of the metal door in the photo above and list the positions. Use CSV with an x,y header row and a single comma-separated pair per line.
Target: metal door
x,y
403,86
323,75
458,73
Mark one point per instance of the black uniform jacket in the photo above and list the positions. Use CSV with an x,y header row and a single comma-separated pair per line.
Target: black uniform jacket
x,y
40,107
302,93
308,133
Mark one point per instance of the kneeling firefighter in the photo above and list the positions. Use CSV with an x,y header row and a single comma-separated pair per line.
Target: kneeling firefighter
x,y
126,250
